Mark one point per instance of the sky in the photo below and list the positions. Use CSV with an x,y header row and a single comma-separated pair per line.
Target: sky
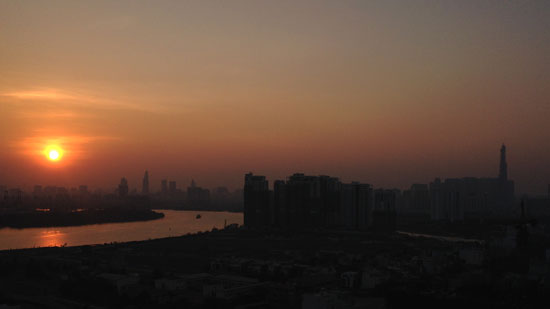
x,y
384,92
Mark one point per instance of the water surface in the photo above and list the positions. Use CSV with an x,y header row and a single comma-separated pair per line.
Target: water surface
x,y
174,223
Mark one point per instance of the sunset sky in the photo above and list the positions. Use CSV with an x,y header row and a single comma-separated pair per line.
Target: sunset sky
x,y
385,92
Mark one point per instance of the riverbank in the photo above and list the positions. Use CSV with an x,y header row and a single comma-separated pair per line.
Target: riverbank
x,y
468,229
76,218
199,209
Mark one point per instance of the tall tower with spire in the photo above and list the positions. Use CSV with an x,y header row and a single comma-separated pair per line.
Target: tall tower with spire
x,y
503,171
145,187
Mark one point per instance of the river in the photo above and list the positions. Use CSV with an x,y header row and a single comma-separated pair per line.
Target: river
x,y
174,223
443,238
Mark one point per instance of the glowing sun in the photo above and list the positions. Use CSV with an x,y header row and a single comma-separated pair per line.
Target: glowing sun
x,y
53,153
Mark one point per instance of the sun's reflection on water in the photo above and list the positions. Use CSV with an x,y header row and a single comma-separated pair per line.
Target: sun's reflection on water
x,y
52,238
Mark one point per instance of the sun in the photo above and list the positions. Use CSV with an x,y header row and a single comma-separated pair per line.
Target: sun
x,y
53,153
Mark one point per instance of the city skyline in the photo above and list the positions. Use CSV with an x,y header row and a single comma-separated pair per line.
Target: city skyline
x,y
145,188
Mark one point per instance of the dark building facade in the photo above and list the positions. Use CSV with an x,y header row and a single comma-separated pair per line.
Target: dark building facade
x,y
164,186
172,187
384,213
145,184
256,201
196,195
354,210
416,199
304,201
123,187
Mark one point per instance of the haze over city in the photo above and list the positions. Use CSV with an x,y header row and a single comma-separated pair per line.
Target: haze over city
x,y
385,92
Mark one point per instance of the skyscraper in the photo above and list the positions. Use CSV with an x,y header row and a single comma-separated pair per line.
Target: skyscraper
x,y
384,214
37,190
256,201
164,186
145,187
503,171
452,198
83,190
355,209
196,195
172,187
123,187
304,201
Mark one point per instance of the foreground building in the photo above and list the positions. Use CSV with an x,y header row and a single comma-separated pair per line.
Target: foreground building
x,y
384,214
256,201
304,201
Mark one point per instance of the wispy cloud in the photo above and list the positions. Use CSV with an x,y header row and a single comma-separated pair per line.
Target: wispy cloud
x,y
59,97
39,95
53,115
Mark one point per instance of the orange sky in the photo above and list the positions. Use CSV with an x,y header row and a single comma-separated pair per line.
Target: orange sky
x,y
381,92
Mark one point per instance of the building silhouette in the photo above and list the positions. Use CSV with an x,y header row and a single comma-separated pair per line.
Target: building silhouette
x,y
416,200
453,198
145,184
384,213
331,199
445,198
196,195
503,170
172,187
304,201
256,201
123,187
164,186
220,193
355,207
83,190
37,191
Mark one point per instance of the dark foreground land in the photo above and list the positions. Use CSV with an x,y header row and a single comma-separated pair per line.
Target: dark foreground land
x,y
75,218
237,268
